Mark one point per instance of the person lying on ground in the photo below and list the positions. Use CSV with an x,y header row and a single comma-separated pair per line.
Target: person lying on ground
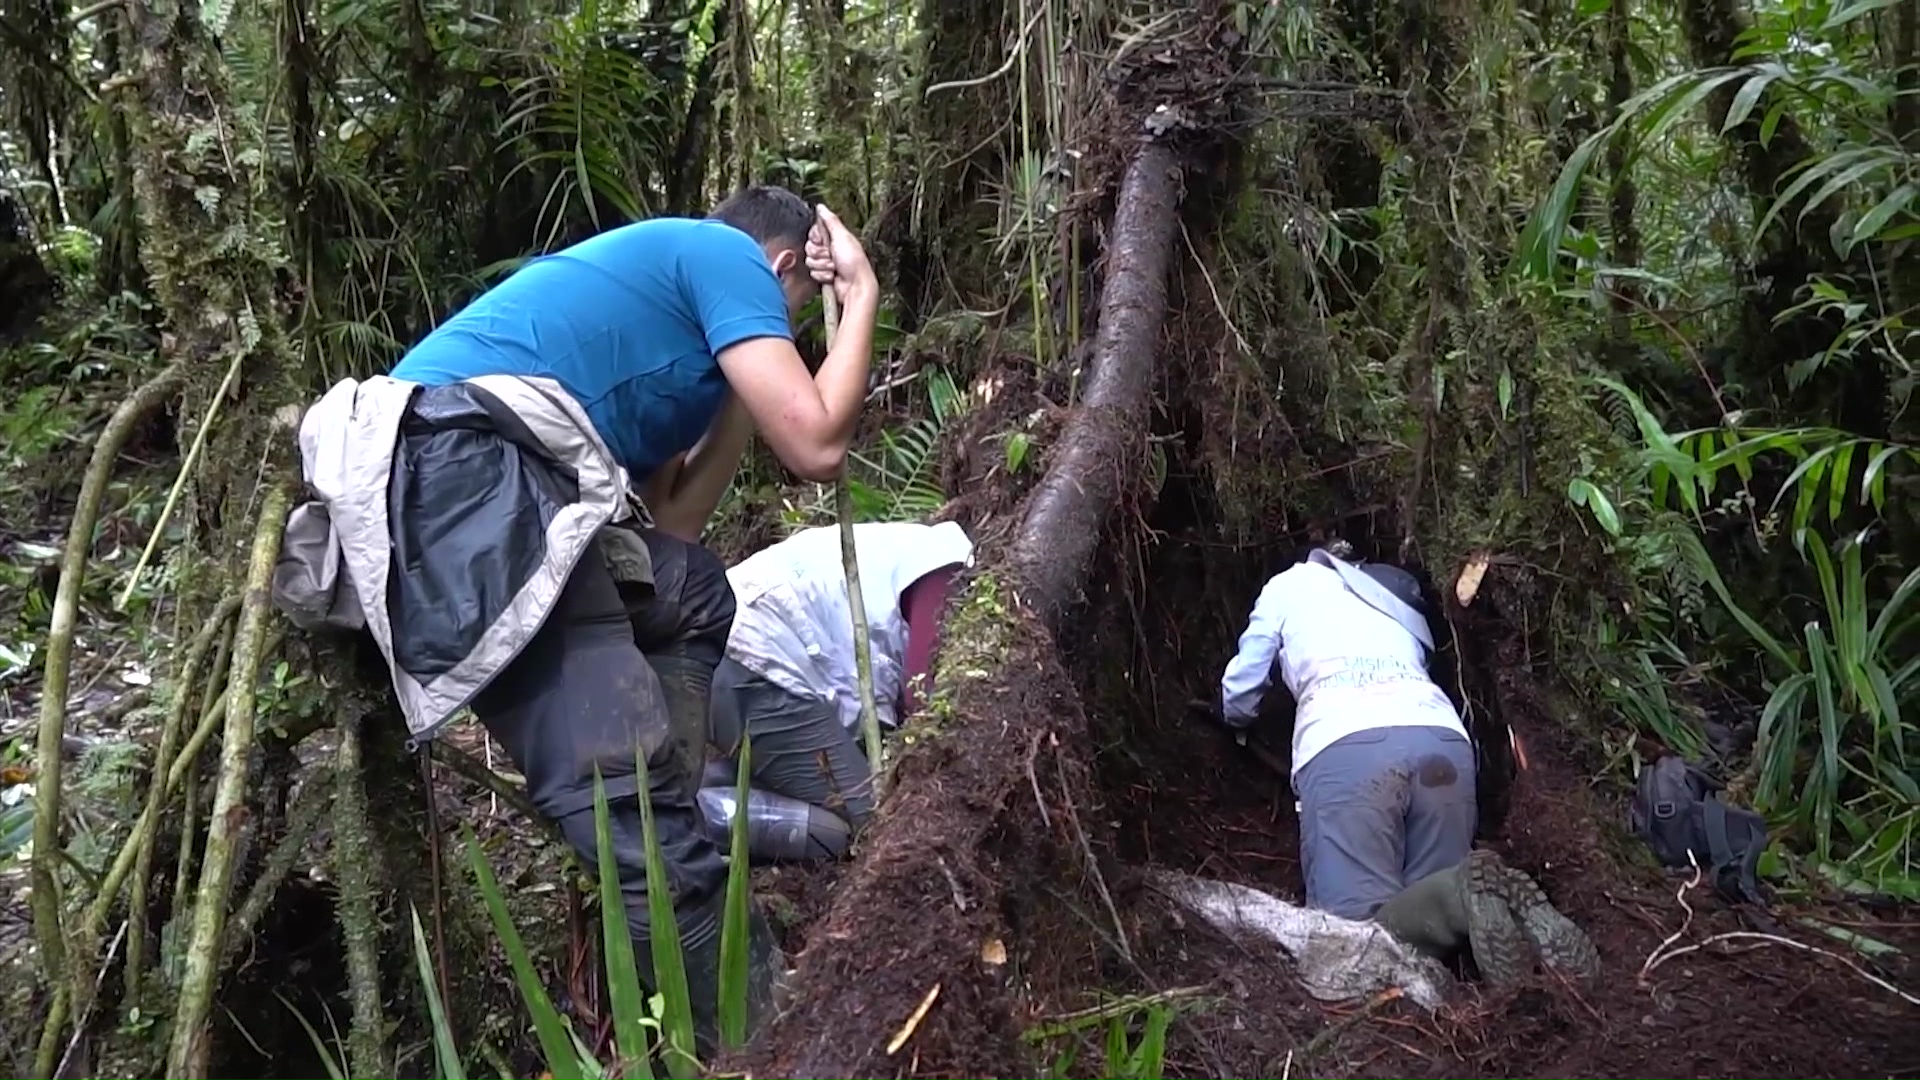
x,y
1384,770
478,499
789,681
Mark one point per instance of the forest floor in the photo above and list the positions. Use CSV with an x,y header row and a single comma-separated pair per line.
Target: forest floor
x,y
1182,797
1749,1011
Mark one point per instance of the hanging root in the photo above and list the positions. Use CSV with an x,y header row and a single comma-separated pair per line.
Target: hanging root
x,y
312,801
47,926
187,1055
359,924
145,837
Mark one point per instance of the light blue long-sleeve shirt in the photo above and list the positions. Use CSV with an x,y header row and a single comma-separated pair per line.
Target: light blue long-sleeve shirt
x,y
1350,666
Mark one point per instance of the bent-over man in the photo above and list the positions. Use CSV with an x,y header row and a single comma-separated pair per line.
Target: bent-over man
x,y
789,679
478,501
1384,770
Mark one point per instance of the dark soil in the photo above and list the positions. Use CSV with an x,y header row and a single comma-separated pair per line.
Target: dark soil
x,y
1189,799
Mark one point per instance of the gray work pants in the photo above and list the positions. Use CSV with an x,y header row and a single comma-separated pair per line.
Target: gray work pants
x,y
800,748
1379,810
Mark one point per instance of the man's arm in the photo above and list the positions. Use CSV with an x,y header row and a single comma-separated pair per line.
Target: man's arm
x,y
808,420
682,494
1250,671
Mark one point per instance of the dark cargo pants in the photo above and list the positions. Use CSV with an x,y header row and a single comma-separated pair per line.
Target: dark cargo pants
x,y
582,696
800,747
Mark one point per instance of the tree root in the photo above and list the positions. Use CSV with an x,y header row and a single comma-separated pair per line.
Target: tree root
x,y
187,1056
149,823
47,925
1088,466
353,849
952,814
308,805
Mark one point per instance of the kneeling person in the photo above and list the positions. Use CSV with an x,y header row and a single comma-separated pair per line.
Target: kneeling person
x,y
1384,770
789,680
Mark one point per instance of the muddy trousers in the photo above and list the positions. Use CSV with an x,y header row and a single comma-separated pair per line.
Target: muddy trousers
x,y
802,755
1381,809
582,699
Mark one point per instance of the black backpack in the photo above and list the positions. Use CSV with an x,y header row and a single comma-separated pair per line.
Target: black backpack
x,y
1676,809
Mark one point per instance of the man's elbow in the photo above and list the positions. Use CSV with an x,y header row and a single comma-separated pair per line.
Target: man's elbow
x,y
820,464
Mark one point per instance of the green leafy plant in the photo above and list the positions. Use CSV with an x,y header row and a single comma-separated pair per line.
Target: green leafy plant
x,y
1688,469
900,480
645,1026
1831,757
590,114
1126,1057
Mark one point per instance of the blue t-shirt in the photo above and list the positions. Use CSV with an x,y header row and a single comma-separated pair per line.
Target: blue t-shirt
x,y
629,322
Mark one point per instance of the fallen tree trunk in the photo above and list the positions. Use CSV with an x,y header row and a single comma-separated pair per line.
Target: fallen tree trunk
x,y
909,972
1098,452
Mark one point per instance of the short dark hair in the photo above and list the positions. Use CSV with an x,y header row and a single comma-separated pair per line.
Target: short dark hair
x,y
769,214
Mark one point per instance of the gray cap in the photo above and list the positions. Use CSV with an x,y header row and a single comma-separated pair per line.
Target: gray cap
x,y
1398,582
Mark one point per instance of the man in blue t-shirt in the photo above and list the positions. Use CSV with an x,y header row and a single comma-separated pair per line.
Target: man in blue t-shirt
x,y
674,338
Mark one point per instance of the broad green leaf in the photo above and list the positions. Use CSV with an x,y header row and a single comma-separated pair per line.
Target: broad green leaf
x,y
444,1050
1851,620
1873,220
1744,101
1880,637
1539,248
1505,391
1603,511
1839,180
669,962
1771,122
1810,173
735,926
1777,741
624,995
1824,781
1873,486
1837,477
1849,10
556,1043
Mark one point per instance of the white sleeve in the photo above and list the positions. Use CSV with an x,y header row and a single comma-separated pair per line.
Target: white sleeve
x,y
1250,671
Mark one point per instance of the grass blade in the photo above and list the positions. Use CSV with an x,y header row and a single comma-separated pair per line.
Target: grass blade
x,y
447,1054
669,964
555,1042
732,1006
623,979
327,1059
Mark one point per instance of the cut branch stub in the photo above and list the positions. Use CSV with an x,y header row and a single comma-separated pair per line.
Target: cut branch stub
x,y
1099,450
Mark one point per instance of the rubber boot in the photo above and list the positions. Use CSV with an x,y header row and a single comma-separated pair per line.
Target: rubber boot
x,y
1496,911
720,772
700,950
779,829
688,683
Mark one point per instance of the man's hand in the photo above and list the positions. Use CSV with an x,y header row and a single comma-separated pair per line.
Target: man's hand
x,y
1209,710
835,257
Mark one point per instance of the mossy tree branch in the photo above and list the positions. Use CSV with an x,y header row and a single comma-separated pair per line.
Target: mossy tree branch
x,y
46,902
187,1056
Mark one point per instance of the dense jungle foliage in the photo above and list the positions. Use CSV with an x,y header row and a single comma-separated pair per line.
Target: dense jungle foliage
x,y
1616,301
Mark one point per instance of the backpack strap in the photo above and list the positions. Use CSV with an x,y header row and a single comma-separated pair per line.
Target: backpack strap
x,y
1719,847
1745,885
